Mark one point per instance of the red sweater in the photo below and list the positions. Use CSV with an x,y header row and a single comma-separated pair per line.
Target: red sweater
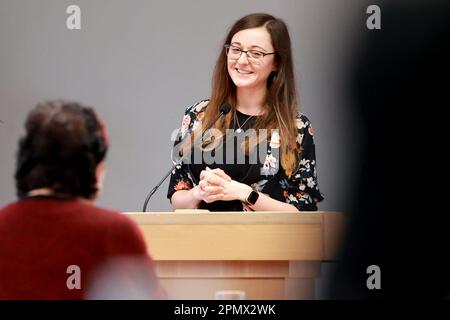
x,y
41,237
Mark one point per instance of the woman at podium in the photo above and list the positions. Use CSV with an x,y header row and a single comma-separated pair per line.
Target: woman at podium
x,y
259,156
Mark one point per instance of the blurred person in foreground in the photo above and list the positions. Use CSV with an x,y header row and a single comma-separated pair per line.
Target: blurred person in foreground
x,y
54,243
398,220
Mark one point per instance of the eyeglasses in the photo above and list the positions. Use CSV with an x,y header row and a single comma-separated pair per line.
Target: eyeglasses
x,y
253,56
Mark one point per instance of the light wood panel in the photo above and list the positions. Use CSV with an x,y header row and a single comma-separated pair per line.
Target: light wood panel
x,y
241,236
205,289
267,255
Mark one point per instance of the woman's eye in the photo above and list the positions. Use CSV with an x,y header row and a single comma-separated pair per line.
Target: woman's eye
x,y
256,54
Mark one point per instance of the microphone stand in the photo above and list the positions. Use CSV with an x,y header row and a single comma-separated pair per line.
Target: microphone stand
x,y
179,162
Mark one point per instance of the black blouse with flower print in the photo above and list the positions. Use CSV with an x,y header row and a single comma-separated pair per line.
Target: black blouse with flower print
x,y
262,171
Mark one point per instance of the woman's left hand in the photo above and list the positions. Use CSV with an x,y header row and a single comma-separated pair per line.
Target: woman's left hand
x,y
231,189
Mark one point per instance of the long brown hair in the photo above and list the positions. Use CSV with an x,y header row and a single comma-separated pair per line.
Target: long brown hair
x,y
281,98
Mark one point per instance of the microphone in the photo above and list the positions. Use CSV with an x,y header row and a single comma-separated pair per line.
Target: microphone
x,y
224,109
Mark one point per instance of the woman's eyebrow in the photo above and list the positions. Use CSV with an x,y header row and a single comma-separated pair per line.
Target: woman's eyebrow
x,y
254,46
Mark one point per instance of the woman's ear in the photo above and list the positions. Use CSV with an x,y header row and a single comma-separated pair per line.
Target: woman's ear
x,y
100,171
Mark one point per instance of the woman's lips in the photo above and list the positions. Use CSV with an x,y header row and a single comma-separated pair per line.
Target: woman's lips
x,y
243,71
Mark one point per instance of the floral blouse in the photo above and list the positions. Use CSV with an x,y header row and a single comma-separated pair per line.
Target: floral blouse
x,y
300,189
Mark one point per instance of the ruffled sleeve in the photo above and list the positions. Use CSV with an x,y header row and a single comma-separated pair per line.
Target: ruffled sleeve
x,y
180,178
302,189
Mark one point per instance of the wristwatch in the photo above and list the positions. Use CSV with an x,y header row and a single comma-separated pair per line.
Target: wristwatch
x,y
251,198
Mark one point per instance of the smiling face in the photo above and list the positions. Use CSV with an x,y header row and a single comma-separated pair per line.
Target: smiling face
x,y
245,73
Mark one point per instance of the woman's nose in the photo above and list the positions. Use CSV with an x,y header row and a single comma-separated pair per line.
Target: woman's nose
x,y
243,59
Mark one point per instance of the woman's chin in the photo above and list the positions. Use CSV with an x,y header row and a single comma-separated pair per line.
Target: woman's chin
x,y
243,83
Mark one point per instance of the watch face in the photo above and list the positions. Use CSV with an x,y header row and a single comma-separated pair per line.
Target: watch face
x,y
252,197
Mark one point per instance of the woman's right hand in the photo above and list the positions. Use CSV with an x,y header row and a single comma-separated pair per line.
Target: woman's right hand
x,y
208,192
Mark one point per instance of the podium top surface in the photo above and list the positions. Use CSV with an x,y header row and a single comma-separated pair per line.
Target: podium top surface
x,y
288,236
202,217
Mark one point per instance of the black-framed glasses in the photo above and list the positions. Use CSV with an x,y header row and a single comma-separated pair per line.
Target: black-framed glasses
x,y
255,56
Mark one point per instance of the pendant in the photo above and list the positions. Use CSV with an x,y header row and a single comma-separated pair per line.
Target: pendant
x,y
238,130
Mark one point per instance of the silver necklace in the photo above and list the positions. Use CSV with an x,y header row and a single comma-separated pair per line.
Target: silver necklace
x,y
239,129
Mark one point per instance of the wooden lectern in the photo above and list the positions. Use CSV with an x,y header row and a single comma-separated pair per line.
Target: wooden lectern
x,y
257,255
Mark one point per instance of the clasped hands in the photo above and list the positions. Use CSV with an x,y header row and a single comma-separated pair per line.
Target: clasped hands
x,y
216,185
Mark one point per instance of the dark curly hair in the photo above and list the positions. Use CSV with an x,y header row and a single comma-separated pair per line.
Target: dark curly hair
x,y
63,144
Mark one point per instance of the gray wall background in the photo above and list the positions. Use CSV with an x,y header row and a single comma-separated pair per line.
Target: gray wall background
x,y
140,63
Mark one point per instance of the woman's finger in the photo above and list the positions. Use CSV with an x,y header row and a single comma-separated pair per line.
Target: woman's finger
x,y
214,197
221,174
203,184
215,180
213,189
202,174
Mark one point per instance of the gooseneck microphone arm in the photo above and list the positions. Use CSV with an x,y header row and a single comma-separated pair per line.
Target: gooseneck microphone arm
x,y
224,109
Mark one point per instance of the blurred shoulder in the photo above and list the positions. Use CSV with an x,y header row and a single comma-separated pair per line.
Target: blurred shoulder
x,y
107,218
118,228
